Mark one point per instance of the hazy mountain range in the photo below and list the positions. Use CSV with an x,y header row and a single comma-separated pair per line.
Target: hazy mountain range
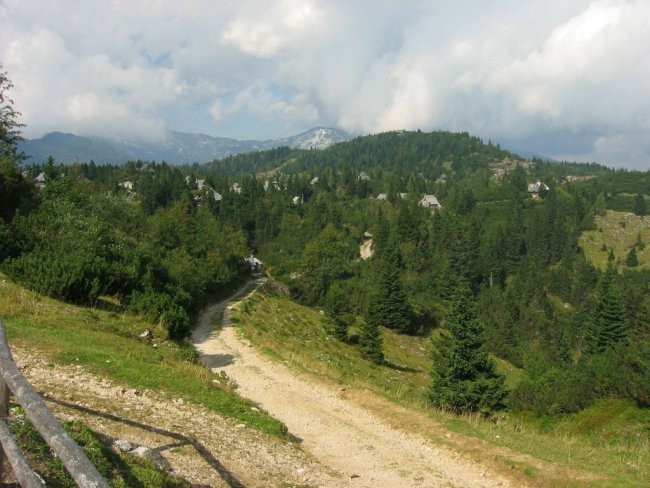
x,y
177,148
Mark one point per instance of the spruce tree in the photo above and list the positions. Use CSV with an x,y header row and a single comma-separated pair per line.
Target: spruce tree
x,y
610,325
639,244
640,207
336,304
371,343
632,261
388,305
464,377
380,235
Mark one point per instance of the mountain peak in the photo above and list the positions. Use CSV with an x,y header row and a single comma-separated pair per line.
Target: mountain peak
x,y
316,138
177,148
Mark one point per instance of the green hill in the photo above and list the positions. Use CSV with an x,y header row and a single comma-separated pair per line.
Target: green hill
x,y
428,153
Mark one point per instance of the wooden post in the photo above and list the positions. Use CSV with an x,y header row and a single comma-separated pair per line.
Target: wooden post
x,y
73,458
4,413
23,472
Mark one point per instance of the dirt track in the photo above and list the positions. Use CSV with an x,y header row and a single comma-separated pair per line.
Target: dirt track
x,y
360,446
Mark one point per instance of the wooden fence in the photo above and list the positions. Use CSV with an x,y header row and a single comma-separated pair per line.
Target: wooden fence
x,y
73,458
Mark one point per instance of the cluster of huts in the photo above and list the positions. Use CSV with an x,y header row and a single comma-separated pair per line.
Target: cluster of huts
x,y
427,200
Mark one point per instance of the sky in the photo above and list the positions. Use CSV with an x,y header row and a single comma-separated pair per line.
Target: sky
x,y
566,79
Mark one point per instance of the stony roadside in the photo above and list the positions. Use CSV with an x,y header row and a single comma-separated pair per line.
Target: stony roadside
x,y
197,444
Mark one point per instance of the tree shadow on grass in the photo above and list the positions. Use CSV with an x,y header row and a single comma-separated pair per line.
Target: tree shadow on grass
x,y
403,369
183,440
217,360
104,303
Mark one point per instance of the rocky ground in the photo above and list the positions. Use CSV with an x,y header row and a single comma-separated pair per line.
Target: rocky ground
x,y
197,444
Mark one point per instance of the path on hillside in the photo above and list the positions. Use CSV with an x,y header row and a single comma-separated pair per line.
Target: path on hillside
x,y
365,249
339,433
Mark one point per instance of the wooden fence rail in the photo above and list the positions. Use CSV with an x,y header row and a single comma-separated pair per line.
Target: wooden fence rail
x,y
75,461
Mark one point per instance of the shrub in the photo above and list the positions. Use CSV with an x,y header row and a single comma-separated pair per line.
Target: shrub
x,y
73,275
161,307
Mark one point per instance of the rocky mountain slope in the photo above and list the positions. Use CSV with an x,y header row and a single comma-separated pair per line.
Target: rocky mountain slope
x,y
177,148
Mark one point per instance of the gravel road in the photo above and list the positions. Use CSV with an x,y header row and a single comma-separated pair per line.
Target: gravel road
x,y
339,433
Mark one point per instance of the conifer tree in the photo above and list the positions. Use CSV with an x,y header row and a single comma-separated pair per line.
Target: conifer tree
x,y
610,325
639,244
371,343
632,260
335,308
10,128
14,190
464,378
640,207
388,306
380,235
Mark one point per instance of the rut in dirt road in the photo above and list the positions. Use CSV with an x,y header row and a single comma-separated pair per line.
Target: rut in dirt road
x,y
349,439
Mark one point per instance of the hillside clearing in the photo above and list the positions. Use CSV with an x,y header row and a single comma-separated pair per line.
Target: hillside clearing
x,y
617,231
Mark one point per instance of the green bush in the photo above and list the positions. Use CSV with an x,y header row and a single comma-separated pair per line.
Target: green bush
x,y
622,371
558,390
161,307
72,275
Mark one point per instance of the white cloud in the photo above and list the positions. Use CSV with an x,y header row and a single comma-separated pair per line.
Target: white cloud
x,y
253,69
216,110
267,106
264,32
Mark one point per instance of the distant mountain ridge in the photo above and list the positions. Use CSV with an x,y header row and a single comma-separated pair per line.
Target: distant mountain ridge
x,y
177,148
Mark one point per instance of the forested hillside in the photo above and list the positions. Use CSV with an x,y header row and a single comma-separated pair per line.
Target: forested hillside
x,y
499,266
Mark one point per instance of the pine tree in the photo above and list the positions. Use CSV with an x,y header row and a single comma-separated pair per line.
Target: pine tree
x,y
610,325
632,260
380,235
464,378
639,244
336,308
388,306
14,190
640,207
10,128
371,343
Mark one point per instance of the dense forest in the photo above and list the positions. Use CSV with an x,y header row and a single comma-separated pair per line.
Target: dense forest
x,y
498,267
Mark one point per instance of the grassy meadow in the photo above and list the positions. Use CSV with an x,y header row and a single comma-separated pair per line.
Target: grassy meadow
x,y
617,231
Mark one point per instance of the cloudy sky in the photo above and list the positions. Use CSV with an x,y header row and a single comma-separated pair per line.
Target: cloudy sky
x,y
568,79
